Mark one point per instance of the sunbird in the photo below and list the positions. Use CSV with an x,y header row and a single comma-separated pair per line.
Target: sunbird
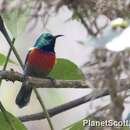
x,y
39,61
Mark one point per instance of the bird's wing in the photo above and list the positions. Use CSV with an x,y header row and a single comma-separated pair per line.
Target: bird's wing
x,y
28,54
26,71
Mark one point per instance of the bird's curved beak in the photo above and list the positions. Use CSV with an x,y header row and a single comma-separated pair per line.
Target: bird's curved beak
x,y
58,36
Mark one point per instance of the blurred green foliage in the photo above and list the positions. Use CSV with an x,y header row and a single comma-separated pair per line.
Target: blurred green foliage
x,y
76,126
66,70
3,59
16,21
5,126
119,23
126,128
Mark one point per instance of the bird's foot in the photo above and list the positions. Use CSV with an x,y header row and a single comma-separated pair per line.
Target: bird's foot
x,y
11,69
52,80
25,79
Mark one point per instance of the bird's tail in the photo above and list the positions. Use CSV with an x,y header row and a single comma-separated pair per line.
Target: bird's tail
x,y
23,96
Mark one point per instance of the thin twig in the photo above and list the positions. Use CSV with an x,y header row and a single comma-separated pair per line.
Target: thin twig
x,y
6,35
8,55
85,24
7,58
44,108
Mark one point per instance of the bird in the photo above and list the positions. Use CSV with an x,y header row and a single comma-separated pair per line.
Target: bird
x,y
39,61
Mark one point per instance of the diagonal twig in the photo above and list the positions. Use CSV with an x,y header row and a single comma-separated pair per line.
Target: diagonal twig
x,y
7,58
62,108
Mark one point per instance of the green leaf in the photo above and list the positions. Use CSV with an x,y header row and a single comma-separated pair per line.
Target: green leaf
x,y
76,126
5,126
3,59
119,23
16,21
66,70
75,16
125,128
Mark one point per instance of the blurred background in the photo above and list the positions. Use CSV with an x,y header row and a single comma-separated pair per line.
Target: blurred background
x,y
85,24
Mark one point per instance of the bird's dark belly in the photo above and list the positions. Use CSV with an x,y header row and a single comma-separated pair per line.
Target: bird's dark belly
x,y
31,70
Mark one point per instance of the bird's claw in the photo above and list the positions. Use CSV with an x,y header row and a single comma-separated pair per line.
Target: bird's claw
x,y
52,80
11,69
25,79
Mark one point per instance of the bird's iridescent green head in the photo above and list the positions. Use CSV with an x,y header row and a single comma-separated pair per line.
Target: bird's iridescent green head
x,y
46,42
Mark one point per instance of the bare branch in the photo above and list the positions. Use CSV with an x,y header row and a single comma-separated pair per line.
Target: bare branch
x,y
42,83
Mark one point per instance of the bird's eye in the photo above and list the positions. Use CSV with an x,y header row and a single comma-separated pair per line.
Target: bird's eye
x,y
49,36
